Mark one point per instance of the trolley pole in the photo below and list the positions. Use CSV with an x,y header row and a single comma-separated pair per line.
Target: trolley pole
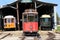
x,y
35,5
17,15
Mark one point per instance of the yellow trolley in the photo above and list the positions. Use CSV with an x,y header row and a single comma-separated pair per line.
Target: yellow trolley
x,y
9,22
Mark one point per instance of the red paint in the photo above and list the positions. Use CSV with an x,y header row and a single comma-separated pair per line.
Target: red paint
x,y
30,26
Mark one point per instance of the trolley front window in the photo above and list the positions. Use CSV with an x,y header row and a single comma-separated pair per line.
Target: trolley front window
x,y
45,22
12,20
25,18
30,18
36,18
9,20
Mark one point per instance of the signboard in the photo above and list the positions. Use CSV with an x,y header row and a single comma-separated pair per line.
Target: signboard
x,y
26,1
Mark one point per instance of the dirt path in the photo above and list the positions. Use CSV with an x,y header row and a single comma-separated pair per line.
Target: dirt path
x,y
17,35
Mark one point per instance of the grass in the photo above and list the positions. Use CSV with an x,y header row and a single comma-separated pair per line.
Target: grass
x,y
58,28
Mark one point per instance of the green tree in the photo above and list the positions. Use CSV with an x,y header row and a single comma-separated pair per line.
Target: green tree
x,y
57,18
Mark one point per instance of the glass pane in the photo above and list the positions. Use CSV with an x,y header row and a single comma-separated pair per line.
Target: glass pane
x,y
8,20
36,18
5,20
45,22
25,18
12,20
30,18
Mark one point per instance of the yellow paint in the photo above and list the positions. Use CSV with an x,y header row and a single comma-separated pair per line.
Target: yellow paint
x,y
10,25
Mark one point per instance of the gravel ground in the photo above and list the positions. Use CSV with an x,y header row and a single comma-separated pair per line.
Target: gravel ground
x,y
17,35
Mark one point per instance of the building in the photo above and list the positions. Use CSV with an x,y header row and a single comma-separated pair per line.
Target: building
x,y
42,8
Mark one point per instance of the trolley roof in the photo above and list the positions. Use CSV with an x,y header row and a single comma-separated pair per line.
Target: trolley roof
x,y
9,16
28,11
45,16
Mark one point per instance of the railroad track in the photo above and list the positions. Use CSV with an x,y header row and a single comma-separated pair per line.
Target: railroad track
x,y
3,35
9,36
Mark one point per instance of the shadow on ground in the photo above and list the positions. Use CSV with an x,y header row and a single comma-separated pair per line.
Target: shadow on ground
x,y
51,36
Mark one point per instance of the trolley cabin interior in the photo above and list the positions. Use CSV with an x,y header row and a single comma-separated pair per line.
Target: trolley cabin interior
x,y
42,8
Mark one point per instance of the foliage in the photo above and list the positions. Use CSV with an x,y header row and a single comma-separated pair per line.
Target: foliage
x,y
58,28
57,18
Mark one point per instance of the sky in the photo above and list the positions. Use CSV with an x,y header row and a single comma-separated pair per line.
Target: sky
x,y
4,2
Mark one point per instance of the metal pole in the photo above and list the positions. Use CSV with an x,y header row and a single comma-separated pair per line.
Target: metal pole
x,y
55,21
35,6
17,15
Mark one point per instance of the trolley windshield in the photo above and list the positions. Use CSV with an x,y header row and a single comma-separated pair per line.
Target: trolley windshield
x,y
45,22
30,17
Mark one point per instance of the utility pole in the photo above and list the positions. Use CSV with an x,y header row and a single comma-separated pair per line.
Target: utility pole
x,y
17,14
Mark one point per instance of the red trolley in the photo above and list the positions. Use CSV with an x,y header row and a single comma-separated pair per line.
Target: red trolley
x,y
30,21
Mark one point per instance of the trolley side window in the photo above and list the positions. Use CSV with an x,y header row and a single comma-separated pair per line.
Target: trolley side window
x,y
25,18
